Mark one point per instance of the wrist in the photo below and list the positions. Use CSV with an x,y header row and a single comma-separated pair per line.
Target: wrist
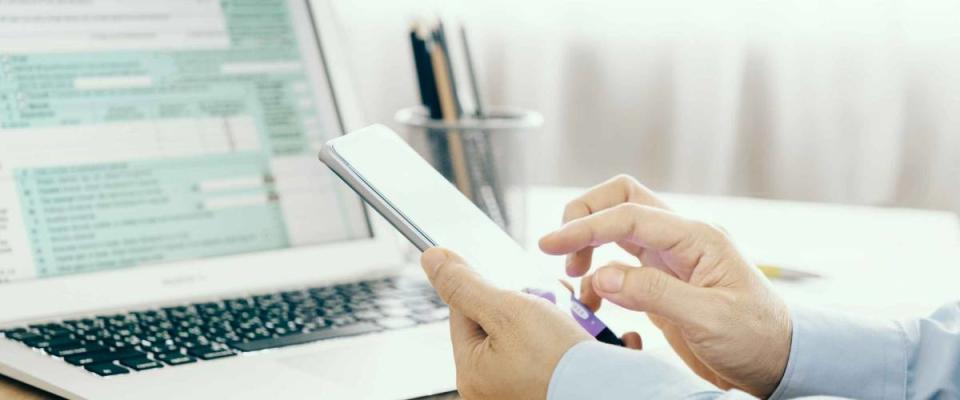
x,y
780,355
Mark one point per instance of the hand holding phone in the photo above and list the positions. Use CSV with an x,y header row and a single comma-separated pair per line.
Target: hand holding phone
x,y
429,211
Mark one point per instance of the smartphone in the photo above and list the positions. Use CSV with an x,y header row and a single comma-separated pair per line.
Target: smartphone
x,y
426,208
420,203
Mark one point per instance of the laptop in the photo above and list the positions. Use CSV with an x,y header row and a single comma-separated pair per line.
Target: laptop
x,y
166,230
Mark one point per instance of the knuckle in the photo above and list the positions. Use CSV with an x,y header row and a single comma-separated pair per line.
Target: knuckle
x,y
625,181
628,209
724,302
575,209
702,227
630,213
629,185
653,284
710,233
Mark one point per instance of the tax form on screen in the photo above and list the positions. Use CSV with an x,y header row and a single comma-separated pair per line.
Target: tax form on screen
x,y
427,208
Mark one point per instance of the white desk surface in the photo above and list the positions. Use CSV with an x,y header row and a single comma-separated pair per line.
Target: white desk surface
x,y
883,262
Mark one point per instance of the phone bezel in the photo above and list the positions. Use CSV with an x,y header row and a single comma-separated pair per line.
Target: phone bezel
x,y
341,167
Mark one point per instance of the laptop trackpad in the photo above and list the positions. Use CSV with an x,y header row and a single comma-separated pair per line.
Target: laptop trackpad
x,y
399,364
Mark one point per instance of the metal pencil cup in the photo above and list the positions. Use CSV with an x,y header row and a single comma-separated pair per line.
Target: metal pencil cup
x,y
483,156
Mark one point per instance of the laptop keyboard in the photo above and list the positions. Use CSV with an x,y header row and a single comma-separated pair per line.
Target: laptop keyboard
x,y
165,337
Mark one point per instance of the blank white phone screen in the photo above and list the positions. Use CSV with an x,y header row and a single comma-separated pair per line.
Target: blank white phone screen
x,y
434,206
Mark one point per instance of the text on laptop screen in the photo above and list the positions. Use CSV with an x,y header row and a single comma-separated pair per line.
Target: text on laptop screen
x,y
141,132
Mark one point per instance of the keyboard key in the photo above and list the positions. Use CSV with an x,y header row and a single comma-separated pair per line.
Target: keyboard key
x,y
161,348
368,315
94,358
87,359
395,311
141,363
282,331
175,358
396,322
74,349
23,335
419,305
365,305
42,342
106,369
342,320
211,352
389,302
335,310
55,330
322,334
438,314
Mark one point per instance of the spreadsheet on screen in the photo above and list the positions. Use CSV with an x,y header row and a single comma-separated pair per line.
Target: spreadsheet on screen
x,y
144,132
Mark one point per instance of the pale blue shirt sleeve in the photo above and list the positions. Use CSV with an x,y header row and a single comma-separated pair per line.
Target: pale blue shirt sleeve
x,y
831,354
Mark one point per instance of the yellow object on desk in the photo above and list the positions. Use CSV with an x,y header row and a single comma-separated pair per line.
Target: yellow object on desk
x,y
786,274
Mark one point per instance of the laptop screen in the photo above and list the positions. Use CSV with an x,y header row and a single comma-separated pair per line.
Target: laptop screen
x,y
137,132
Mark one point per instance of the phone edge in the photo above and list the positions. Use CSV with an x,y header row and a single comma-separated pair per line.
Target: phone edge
x,y
340,167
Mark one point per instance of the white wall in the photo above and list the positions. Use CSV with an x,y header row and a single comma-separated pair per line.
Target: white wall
x,y
855,101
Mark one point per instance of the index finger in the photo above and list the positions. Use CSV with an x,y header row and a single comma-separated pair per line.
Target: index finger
x,y
647,227
615,191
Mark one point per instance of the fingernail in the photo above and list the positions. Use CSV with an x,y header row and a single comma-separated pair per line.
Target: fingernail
x,y
610,280
432,258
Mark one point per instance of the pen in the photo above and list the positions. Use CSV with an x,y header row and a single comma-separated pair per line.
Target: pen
x,y
582,314
426,79
786,274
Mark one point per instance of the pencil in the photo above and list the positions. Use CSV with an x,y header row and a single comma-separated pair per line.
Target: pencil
x,y
451,114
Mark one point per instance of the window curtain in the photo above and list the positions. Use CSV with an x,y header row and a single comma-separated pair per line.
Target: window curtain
x,y
854,101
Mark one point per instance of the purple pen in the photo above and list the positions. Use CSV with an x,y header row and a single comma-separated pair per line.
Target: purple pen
x,y
582,314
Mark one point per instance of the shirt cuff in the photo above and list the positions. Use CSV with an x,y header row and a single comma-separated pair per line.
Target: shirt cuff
x,y
594,370
833,354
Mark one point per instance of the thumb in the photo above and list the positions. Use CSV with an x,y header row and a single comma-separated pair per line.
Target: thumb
x,y
652,290
461,287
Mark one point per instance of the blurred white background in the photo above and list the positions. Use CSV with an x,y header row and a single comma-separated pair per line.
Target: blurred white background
x,y
849,101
